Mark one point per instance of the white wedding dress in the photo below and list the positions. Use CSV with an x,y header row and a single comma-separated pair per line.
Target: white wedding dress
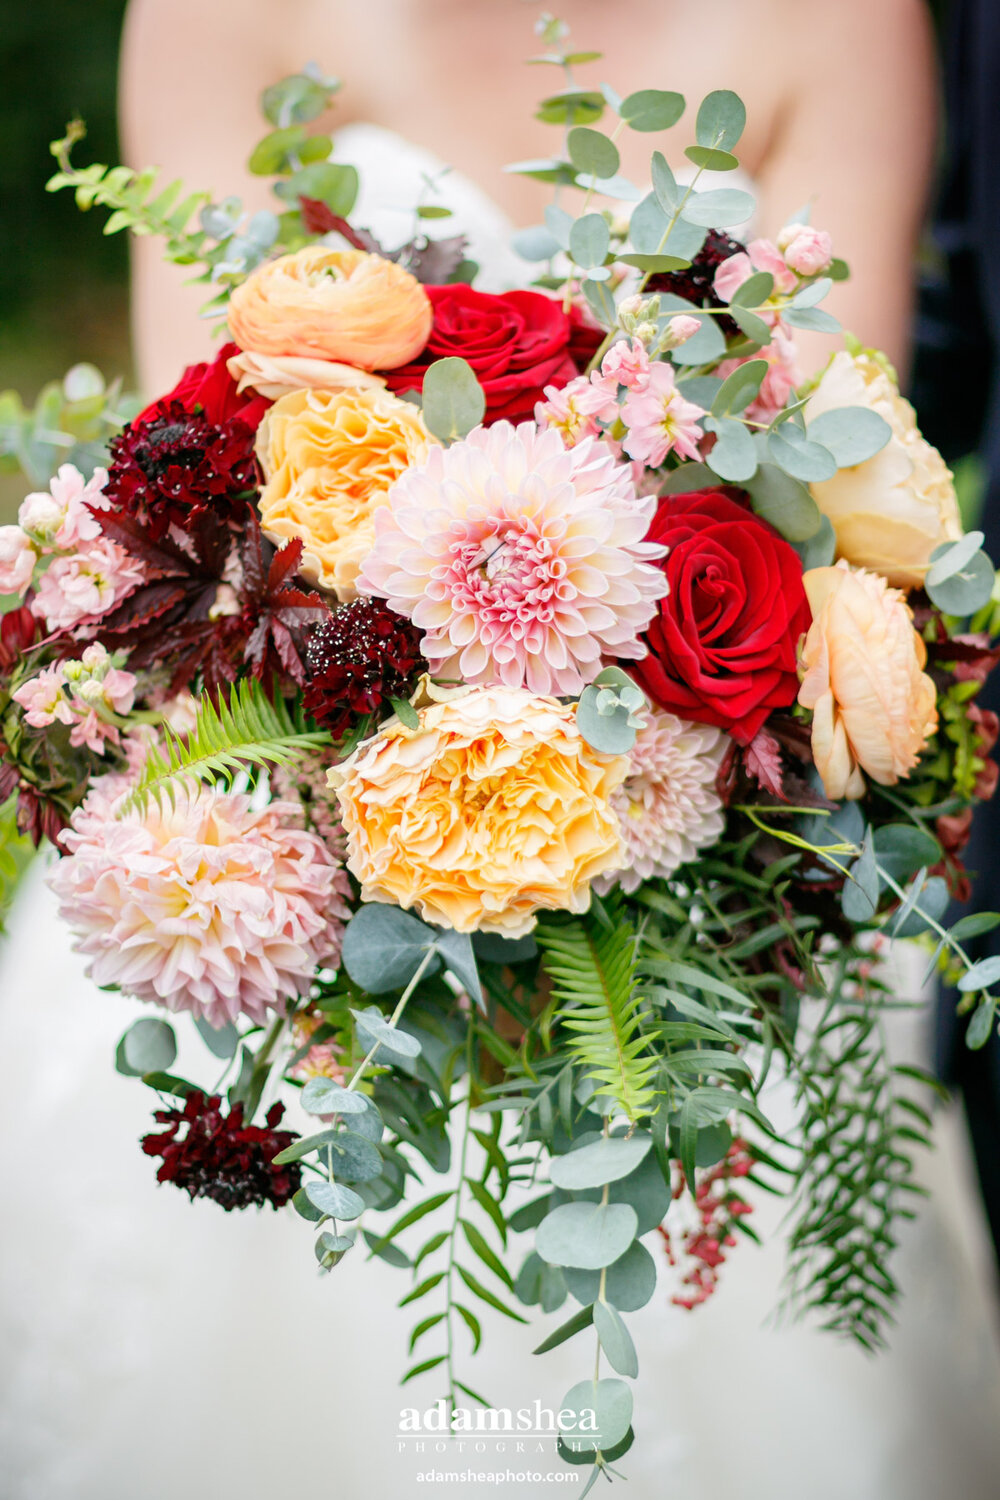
x,y
153,1348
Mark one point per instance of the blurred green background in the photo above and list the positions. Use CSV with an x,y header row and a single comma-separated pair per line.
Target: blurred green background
x,y
63,283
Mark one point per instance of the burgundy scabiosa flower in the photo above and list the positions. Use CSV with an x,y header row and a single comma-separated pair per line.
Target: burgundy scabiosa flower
x,y
359,658
219,1157
172,465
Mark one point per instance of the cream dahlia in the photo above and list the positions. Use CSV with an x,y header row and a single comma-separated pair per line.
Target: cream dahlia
x,y
206,906
522,561
667,805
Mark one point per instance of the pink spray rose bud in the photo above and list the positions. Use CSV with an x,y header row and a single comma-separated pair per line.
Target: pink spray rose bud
x,y
17,560
807,251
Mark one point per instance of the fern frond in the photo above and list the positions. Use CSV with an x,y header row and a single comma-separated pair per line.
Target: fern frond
x,y
246,729
592,962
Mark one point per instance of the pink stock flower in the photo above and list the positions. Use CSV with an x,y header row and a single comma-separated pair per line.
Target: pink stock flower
x,y
563,409
760,255
524,562
667,805
61,517
204,906
43,699
679,330
782,378
660,420
17,560
807,251
89,582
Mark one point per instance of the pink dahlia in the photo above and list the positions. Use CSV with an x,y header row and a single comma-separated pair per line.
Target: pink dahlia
x,y
522,561
668,804
206,906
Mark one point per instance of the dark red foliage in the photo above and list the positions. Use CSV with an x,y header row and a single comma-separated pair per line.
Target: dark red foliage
x,y
174,465
219,1157
360,657
431,260
189,616
696,284
19,631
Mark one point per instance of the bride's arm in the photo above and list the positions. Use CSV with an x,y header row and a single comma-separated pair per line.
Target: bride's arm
x,y
190,77
858,138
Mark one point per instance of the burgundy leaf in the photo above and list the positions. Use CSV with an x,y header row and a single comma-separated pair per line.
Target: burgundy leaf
x,y
762,761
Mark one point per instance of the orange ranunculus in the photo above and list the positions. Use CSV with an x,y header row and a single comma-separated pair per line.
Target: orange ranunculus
x,y
275,375
861,663
493,809
343,305
329,460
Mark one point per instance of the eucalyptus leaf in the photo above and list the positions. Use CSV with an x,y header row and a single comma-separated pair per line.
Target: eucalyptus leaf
x,y
712,161
334,1199
665,188
852,434
951,557
628,1285
589,240
980,1026
719,207
600,302
149,1046
981,976
703,347
786,504
686,479
722,118
819,549
592,152
753,292
740,388
324,1096
586,1235
966,591
860,895
493,948
536,243
799,456
749,324
558,223
616,1341
810,295
453,399
457,951
221,1041
813,319
604,1161
652,109
904,848
733,456
373,1027
931,899
384,947
603,1410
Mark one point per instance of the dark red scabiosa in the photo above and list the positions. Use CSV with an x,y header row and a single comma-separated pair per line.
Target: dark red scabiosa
x,y
219,1157
360,657
723,643
697,283
173,465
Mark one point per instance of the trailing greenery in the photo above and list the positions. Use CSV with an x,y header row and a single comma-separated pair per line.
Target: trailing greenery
x,y
854,1182
592,964
246,729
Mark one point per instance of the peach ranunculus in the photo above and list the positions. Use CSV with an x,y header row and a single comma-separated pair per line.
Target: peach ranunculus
x,y
890,512
329,460
493,809
343,305
273,375
861,663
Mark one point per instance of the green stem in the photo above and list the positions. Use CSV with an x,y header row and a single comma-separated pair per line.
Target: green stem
x,y
453,1234
393,1019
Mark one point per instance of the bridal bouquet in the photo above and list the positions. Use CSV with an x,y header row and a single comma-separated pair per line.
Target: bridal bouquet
x,y
509,726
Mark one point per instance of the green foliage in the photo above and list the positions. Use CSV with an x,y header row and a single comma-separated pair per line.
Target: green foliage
x,y
854,1182
592,962
71,422
245,729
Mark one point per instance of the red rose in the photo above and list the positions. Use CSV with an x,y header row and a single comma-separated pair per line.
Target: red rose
x,y
516,343
211,387
722,649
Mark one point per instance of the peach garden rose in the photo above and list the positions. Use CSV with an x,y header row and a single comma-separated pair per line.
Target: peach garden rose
x,y
495,808
343,305
329,460
890,512
861,664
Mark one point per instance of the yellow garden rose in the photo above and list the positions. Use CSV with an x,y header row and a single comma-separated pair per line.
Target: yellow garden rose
x,y
861,664
495,808
344,305
890,512
329,459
